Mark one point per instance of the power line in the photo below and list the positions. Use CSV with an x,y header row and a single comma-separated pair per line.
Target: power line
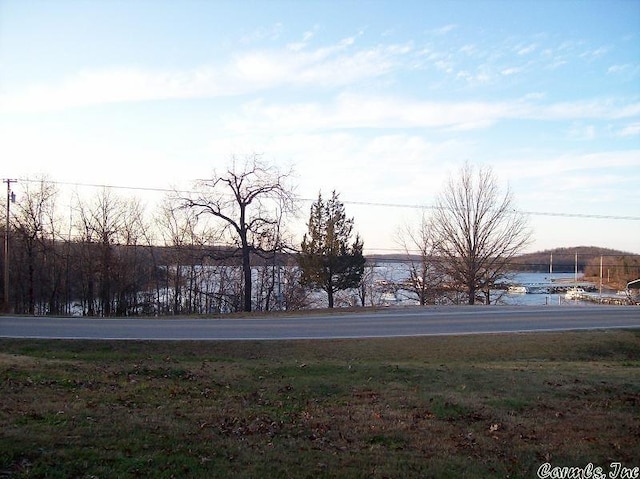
x,y
346,202
534,213
582,215
106,186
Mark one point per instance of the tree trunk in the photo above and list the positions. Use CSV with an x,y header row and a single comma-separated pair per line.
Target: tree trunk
x,y
91,310
246,270
330,297
31,269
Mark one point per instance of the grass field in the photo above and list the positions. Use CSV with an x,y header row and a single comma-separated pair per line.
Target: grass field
x,y
468,406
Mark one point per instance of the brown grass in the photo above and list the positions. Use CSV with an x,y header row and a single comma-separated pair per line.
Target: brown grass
x,y
471,406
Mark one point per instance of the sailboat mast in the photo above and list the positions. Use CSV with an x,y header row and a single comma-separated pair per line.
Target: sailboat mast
x,y
600,275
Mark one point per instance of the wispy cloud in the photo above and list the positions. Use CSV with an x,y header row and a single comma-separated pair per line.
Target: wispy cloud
x,y
511,71
398,164
583,109
443,30
582,132
628,71
303,43
574,180
363,111
336,66
526,49
329,66
630,130
594,53
271,32
97,87
368,111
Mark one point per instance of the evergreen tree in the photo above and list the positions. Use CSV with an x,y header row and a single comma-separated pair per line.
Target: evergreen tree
x,y
328,261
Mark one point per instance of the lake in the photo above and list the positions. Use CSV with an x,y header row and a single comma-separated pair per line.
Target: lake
x,y
397,272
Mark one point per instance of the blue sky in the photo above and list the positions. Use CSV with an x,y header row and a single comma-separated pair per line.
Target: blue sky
x,y
379,100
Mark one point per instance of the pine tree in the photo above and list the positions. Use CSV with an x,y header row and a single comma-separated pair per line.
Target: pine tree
x,y
328,261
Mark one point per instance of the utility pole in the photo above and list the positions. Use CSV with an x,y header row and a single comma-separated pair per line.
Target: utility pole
x,y
600,277
11,198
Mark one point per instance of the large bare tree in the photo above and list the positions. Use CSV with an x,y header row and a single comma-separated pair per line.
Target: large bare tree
x,y
478,231
420,244
246,198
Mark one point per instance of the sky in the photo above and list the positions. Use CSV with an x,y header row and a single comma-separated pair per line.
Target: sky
x,y
382,101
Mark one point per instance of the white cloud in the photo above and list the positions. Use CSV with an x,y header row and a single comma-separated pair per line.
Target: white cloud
x,y
583,109
468,49
271,32
613,69
445,29
511,71
525,50
445,66
594,53
329,66
626,70
348,111
306,36
260,69
116,85
364,111
582,132
555,64
556,168
85,156
630,130
534,96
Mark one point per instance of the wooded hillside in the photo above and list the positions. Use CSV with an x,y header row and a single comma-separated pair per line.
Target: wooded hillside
x,y
618,267
563,259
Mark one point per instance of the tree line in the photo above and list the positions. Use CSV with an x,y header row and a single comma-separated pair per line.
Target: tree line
x,y
618,269
565,260
226,247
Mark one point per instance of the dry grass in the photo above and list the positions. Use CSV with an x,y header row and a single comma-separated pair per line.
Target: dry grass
x,y
472,406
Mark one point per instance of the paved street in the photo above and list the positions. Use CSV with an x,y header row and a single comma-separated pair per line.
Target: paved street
x,y
386,323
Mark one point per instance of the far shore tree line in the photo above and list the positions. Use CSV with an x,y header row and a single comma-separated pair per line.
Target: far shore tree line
x,y
226,248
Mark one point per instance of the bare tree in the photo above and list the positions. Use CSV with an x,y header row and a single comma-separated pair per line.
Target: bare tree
x,y
177,229
245,198
133,269
34,220
272,247
426,275
367,287
106,225
478,231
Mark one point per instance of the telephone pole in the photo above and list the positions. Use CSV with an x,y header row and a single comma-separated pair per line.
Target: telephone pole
x,y
11,198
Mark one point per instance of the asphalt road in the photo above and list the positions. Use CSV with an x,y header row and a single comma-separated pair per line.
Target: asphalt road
x,y
386,323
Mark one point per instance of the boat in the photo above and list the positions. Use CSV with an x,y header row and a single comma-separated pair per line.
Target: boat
x,y
574,293
389,298
517,290
538,289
